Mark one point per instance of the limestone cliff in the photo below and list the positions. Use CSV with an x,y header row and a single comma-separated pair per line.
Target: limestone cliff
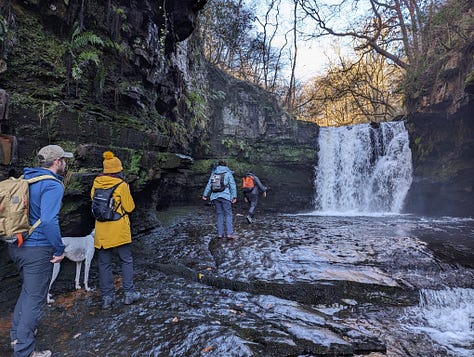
x,y
129,77
442,137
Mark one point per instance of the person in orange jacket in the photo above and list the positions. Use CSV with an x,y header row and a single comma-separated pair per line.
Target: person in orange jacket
x,y
115,234
251,194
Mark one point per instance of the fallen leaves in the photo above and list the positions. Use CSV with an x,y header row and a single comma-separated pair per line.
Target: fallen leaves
x,y
207,349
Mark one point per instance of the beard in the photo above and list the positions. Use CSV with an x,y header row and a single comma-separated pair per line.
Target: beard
x,y
61,170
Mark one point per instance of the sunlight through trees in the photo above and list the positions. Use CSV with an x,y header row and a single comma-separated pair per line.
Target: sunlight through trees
x,y
396,46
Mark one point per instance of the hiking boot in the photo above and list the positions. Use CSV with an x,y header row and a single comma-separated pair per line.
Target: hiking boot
x,y
249,219
46,353
232,236
130,298
108,302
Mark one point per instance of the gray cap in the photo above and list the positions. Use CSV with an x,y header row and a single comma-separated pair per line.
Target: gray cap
x,y
52,152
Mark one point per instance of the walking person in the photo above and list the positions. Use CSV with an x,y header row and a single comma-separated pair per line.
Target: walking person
x,y
252,186
223,193
34,258
115,234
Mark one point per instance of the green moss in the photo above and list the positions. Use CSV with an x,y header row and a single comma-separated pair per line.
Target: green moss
x,y
196,103
41,56
470,80
202,166
134,164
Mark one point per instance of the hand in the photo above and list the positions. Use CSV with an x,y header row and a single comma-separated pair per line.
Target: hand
x,y
57,259
234,200
204,198
265,194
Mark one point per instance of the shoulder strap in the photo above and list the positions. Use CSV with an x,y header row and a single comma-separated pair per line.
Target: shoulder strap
x,y
113,190
42,177
117,185
37,179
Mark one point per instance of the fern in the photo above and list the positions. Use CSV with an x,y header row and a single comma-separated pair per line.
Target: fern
x,y
87,57
76,73
84,49
86,38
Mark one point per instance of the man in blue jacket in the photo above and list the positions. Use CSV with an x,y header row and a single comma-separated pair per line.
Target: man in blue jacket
x,y
35,257
221,186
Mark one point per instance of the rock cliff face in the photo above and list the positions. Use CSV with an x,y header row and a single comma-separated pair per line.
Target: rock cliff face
x,y
443,159
250,130
442,140
129,77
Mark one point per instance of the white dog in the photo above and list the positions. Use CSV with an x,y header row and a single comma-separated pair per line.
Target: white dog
x,y
78,249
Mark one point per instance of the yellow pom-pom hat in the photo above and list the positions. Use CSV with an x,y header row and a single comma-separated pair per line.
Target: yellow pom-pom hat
x,y
112,164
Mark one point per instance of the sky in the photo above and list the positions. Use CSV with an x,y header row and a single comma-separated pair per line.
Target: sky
x,y
312,58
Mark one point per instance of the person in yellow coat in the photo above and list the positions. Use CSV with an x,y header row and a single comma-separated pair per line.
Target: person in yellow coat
x,y
115,235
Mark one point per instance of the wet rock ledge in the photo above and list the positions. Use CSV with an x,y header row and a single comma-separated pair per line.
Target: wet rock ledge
x,y
288,286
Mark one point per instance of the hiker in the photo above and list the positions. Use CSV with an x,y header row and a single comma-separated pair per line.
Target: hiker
x,y
223,193
115,234
34,258
252,186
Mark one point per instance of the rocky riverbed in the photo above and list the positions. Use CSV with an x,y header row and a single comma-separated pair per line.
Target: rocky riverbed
x,y
290,285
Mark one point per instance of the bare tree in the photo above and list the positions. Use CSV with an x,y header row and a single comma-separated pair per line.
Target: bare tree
x,y
353,91
234,43
406,32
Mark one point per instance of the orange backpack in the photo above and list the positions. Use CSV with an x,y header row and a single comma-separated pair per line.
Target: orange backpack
x,y
247,182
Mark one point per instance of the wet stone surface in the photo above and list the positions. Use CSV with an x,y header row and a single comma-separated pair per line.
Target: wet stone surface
x,y
287,286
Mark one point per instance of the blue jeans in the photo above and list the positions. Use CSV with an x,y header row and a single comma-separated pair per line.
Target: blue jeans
x,y
224,213
106,276
35,268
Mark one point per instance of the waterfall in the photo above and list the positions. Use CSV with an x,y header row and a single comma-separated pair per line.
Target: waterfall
x,y
363,169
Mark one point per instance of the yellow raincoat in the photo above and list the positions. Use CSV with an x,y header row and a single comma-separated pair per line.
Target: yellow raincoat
x,y
112,234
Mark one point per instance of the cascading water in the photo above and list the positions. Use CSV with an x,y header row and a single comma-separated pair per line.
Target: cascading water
x,y
447,316
363,169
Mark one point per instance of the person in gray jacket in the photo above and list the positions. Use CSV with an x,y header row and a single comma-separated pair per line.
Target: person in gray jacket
x,y
223,193
251,194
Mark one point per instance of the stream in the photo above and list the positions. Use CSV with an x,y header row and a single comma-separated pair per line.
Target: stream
x,y
290,285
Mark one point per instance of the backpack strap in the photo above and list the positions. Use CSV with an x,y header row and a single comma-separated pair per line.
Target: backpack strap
x,y
120,204
34,180
42,177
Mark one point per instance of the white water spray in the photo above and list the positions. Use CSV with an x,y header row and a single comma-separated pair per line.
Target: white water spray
x,y
363,169
447,316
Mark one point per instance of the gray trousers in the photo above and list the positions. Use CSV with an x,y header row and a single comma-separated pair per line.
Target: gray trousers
x,y
106,276
253,201
35,268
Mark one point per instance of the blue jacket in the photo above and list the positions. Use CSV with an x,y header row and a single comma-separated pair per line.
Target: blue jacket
x,y
45,203
230,191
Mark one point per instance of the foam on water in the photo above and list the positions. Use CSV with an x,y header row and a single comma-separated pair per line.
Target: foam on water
x,y
447,317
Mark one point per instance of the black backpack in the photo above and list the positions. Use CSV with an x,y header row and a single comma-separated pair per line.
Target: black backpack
x,y
217,182
103,204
